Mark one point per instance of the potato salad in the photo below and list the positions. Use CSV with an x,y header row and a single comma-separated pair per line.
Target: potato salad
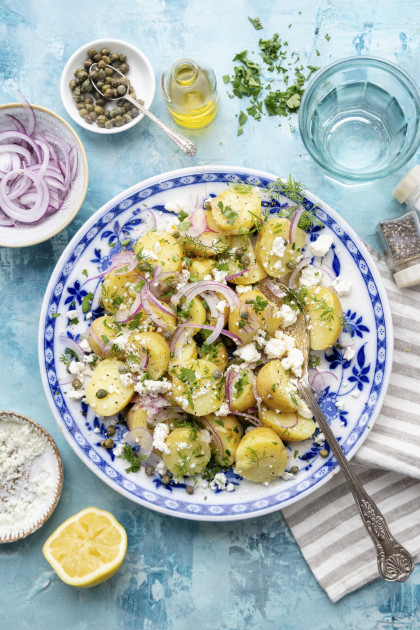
x,y
196,351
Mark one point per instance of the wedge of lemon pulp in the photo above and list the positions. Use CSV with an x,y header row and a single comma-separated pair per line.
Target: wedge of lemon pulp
x,y
87,549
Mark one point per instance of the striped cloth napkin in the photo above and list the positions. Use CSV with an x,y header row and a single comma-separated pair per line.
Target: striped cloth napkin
x,y
327,525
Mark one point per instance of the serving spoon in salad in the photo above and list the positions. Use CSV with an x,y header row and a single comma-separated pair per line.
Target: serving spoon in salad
x,y
395,563
181,141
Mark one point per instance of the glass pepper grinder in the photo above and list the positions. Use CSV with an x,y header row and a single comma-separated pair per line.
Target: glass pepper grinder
x,y
190,92
400,237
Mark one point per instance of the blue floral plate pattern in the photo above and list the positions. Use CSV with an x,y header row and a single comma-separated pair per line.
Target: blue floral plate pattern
x,y
351,402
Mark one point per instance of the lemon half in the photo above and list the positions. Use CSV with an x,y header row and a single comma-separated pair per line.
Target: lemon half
x,y
87,549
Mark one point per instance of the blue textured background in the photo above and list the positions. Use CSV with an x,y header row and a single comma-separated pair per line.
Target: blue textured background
x,y
180,574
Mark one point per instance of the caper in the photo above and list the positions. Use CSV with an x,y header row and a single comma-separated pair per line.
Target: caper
x,y
127,118
83,75
166,480
122,58
127,107
135,112
245,260
124,68
89,108
106,59
83,112
109,124
108,443
105,51
121,89
89,100
80,105
119,121
294,470
323,452
77,72
99,100
87,63
100,85
98,110
124,81
77,383
217,373
189,489
149,470
229,343
113,112
94,75
108,92
115,57
101,393
108,81
92,52
239,252
101,121
101,64
109,72
111,430
101,74
244,315
207,205
123,369
86,86
97,57
73,84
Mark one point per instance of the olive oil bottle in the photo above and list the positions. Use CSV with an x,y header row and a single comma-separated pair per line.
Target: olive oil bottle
x,y
190,92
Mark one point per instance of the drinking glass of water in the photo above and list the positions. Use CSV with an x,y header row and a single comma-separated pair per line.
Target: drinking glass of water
x,y
360,118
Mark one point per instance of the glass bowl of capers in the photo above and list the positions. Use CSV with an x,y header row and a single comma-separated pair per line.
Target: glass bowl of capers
x,y
99,110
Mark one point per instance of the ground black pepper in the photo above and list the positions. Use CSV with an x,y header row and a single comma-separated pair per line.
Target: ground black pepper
x,y
402,237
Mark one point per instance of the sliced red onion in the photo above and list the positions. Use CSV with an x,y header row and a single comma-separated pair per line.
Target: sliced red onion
x,y
286,425
104,348
228,382
124,315
322,380
73,346
153,219
141,437
158,304
326,269
214,433
240,273
191,290
227,333
303,263
294,223
275,289
150,312
252,419
198,223
178,341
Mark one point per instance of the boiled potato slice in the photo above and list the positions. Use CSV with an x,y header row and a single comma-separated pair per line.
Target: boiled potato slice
x,y
278,228
216,353
261,455
136,418
200,267
169,320
211,223
243,245
236,209
119,289
155,345
188,352
159,249
229,431
107,377
195,388
207,244
189,452
192,310
261,315
241,392
275,388
282,424
326,317
103,329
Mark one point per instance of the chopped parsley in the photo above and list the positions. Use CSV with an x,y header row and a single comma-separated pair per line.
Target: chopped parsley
x,y
130,455
228,213
87,302
256,23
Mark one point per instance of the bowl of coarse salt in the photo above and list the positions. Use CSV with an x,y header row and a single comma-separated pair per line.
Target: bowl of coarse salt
x,y
31,476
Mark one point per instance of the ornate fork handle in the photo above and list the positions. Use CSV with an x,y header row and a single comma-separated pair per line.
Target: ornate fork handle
x,y
394,562
181,141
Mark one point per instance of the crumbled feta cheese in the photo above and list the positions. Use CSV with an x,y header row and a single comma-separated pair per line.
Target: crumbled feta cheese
x,y
118,450
160,434
339,404
341,286
219,481
153,387
161,468
220,307
287,476
321,246
149,255
76,394
220,275
279,246
205,436
293,361
349,353
174,206
230,487
248,353
319,439
126,379
304,411
72,314
223,410
355,393
310,276
275,348
89,315
288,340
288,315
77,368
243,288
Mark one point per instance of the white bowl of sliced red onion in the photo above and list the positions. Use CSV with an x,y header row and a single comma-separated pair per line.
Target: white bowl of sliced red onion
x,y
43,174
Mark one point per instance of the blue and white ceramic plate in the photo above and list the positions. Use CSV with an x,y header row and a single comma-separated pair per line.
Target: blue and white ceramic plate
x,y
351,402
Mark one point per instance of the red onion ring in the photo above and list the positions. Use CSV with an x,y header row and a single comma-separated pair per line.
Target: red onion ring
x,y
124,315
104,348
144,297
178,341
198,223
73,346
141,437
196,288
322,380
214,433
227,333
303,263
240,273
294,223
326,269
252,419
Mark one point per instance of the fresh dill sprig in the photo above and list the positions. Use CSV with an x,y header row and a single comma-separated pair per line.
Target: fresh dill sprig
x,y
130,455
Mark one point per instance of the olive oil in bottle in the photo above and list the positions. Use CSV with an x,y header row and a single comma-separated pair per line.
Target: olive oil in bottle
x,y
190,92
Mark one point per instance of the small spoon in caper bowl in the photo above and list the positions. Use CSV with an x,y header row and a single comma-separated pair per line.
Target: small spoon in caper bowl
x,y
123,91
